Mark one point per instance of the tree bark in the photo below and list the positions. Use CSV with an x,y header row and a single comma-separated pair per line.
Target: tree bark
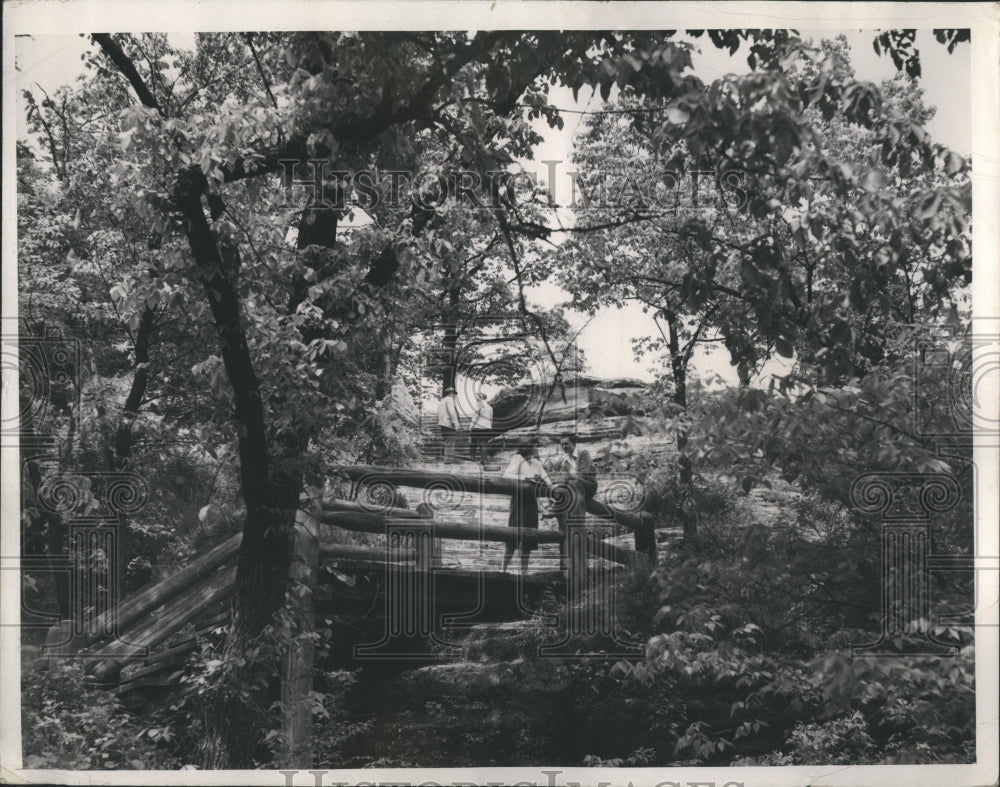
x,y
298,661
240,713
449,344
678,368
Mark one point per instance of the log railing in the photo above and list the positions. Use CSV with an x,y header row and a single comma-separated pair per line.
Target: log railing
x,y
371,522
641,524
164,607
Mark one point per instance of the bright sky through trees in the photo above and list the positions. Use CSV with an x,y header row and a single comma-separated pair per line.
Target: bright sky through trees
x,y
606,340
51,61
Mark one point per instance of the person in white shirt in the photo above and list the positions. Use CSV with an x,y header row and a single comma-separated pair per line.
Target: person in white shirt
x,y
480,430
576,484
448,423
524,466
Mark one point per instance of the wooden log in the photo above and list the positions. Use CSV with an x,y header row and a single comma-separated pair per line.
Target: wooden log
x,y
485,485
168,660
336,504
176,653
421,479
156,594
334,552
106,663
142,684
297,662
373,523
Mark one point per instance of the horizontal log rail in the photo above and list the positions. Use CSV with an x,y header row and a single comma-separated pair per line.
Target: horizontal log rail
x,y
106,663
351,506
376,523
357,552
156,594
369,522
176,653
485,485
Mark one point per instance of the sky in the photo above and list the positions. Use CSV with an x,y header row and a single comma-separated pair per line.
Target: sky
x,y
50,61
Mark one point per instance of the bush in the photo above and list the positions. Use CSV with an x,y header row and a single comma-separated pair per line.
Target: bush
x,y
69,723
752,649
710,504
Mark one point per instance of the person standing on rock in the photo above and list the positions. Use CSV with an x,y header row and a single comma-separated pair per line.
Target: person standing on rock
x,y
576,486
481,429
448,423
524,466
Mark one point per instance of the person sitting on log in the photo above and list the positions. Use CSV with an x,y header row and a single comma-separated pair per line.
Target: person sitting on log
x,y
524,466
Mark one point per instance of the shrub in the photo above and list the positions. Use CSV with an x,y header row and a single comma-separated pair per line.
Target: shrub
x,y
69,723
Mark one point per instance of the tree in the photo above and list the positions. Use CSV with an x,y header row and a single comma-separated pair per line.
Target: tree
x,y
78,255
214,126
759,256
213,155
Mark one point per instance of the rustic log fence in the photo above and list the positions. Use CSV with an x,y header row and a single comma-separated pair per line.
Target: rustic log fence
x,y
197,593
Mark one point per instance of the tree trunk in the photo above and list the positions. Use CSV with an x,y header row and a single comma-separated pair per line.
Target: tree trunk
x,y
449,344
236,723
298,662
678,368
121,458
239,717
271,487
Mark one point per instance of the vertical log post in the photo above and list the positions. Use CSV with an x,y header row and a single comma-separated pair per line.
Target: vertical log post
x,y
297,663
436,544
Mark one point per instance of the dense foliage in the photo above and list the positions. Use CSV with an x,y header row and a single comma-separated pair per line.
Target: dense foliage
x,y
242,332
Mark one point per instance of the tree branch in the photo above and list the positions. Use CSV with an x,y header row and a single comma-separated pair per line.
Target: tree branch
x,y
127,69
260,69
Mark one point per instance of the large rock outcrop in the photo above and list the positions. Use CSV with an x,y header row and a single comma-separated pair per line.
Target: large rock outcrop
x,y
573,399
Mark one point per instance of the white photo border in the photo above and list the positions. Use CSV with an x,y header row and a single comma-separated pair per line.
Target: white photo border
x,y
46,17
